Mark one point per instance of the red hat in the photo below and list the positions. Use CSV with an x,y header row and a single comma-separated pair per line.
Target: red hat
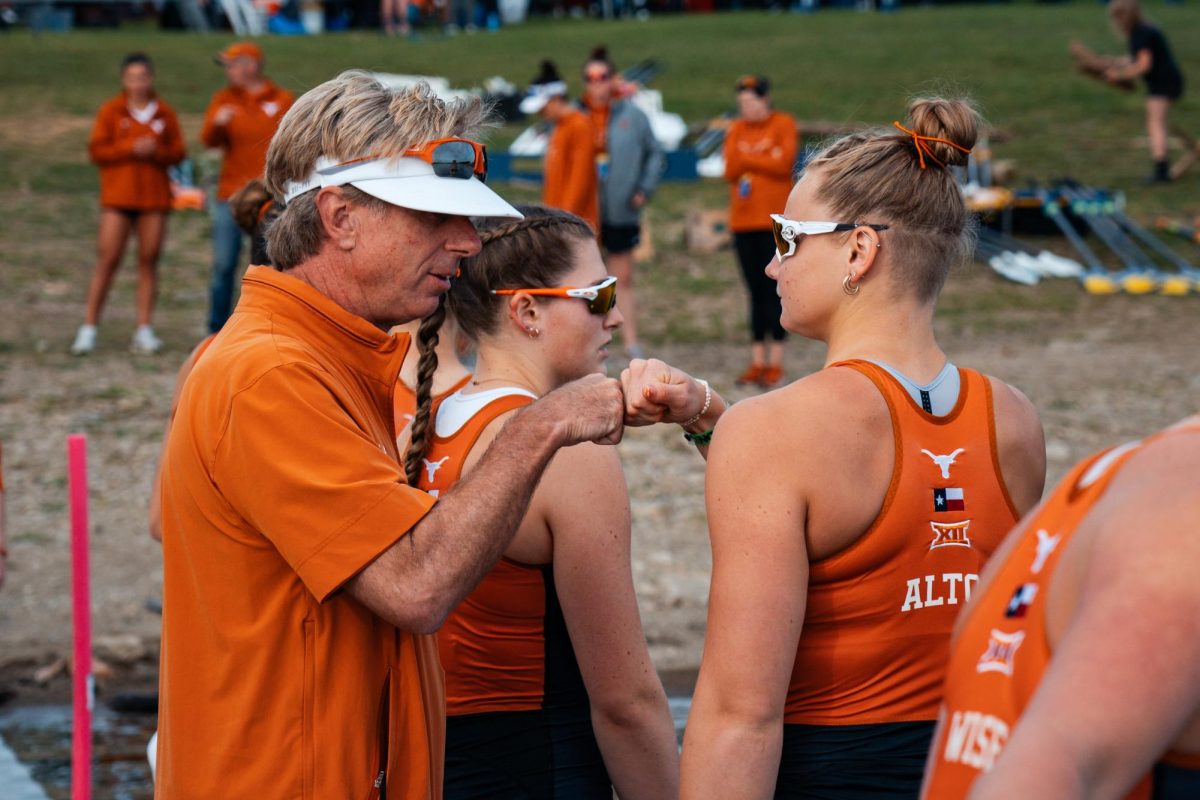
x,y
239,50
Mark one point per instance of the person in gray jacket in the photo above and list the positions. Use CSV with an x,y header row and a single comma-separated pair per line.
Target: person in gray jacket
x,y
630,162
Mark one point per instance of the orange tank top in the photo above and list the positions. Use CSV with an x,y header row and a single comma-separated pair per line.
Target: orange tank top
x,y
404,405
1002,649
877,626
505,648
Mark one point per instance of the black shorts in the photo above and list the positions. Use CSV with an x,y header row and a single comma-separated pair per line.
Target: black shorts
x,y
131,214
885,761
620,238
1170,89
525,755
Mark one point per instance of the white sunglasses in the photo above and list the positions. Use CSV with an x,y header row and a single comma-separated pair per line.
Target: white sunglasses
x,y
789,232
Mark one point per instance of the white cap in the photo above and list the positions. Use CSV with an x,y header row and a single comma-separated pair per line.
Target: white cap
x,y
537,95
407,182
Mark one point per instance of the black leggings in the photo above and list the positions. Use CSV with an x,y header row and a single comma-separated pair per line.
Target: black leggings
x,y
853,762
754,250
525,755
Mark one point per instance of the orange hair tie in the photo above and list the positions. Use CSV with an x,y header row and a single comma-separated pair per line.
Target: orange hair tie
x,y
923,148
263,209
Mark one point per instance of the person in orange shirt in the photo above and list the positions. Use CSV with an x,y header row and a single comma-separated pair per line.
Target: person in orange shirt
x,y
303,575
760,158
240,120
629,163
1075,671
550,690
569,180
851,511
135,138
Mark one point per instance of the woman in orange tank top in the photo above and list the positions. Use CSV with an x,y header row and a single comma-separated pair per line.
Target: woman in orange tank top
x,y
1075,673
550,690
851,510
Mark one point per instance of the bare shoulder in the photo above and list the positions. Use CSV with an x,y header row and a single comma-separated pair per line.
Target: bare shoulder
x,y
1015,409
1020,445
1154,501
817,407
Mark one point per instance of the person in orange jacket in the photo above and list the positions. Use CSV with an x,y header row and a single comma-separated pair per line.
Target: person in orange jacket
x,y
241,119
760,156
569,179
135,138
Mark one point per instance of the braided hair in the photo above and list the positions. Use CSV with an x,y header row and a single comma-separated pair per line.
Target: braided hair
x,y
428,335
531,252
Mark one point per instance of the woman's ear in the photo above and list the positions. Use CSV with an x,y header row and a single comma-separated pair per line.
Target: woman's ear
x,y
525,312
863,251
338,217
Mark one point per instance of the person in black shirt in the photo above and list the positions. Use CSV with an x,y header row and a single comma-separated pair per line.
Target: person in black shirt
x,y
1150,59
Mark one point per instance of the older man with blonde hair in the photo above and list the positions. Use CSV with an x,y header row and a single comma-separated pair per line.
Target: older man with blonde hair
x,y
302,576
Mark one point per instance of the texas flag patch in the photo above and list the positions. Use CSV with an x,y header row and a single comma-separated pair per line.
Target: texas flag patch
x,y
949,499
1020,601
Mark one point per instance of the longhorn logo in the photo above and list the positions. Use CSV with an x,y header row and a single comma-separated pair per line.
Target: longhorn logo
x,y
1046,545
944,462
431,467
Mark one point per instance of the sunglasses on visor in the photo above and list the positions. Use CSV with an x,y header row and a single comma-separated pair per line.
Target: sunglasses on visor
x,y
453,158
789,232
600,298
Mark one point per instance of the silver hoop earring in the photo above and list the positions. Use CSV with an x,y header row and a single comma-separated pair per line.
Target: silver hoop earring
x,y
849,286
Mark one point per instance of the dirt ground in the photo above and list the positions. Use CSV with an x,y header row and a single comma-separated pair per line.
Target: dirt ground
x,y
1099,369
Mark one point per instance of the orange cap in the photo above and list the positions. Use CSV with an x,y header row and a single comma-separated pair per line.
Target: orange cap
x,y
239,50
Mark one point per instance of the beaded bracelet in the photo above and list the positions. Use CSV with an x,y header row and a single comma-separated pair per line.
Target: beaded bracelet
x,y
699,439
707,403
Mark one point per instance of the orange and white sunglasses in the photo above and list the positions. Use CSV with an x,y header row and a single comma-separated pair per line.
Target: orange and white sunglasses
x,y
600,297
453,157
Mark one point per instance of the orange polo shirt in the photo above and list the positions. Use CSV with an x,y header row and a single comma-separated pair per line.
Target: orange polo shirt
x,y
760,158
246,137
129,181
280,483
570,181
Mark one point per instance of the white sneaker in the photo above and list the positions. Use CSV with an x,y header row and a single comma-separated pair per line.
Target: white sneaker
x,y
144,340
85,340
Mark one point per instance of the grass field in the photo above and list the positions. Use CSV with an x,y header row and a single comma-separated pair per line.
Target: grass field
x,y
837,66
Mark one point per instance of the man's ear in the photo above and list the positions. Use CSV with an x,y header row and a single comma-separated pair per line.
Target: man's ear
x,y
863,251
338,218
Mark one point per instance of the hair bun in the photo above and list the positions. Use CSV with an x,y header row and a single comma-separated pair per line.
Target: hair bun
x,y
548,73
952,119
599,53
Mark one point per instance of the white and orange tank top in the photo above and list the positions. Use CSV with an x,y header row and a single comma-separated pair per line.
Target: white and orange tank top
x,y
879,615
1002,648
404,406
505,647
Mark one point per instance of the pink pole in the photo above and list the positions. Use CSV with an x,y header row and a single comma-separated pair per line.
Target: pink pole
x,y
84,685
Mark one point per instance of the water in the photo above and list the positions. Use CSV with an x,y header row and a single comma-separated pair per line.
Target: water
x,y
40,736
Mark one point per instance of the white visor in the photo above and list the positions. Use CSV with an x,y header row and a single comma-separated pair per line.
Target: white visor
x,y
409,183
537,95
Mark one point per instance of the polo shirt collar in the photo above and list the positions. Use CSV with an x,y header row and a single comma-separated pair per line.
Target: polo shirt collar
x,y
349,337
